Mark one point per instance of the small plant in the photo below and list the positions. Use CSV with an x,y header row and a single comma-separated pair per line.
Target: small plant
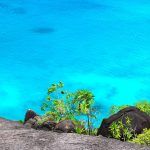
x,y
143,139
80,127
122,131
83,100
21,121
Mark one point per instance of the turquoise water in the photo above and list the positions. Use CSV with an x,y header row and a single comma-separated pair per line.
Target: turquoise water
x,y
100,45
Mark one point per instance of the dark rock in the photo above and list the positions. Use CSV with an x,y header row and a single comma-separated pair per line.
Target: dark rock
x,y
37,126
30,114
66,126
32,120
12,138
50,125
139,121
47,125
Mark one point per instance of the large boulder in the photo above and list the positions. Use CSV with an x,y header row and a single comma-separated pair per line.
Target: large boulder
x,y
66,126
139,121
30,114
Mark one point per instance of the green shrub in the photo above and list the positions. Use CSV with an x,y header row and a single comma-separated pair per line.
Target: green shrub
x,y
21,121
80,127
144,106
58,104
61,105
122,131
143,139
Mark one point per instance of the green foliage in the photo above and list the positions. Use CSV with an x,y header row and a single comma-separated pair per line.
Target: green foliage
x,y
94,131
114,109
122,131
41,120
21,121
80,127
143,139
84,100
61,105
142,105
58,103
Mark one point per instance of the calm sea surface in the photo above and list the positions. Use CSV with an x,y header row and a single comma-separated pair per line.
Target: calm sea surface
x,y
103,46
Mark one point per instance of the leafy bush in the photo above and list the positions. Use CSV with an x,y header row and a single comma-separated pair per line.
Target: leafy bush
x,y
122,131
58,103
61,105
21,121
143,139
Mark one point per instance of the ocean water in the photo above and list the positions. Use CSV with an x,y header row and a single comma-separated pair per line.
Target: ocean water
x,y
103,46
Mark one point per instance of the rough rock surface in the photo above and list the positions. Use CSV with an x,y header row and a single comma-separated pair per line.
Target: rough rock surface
x,y
14,136
139,121
65,126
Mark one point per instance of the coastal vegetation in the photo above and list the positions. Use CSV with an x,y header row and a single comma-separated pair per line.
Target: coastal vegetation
x,y
79,107
143,138
143,105
119,129
122,131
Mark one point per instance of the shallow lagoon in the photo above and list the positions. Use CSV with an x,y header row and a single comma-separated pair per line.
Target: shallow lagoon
x,y
101,46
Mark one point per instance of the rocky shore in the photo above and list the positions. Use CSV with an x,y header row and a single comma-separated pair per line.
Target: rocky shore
x,y
15,136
